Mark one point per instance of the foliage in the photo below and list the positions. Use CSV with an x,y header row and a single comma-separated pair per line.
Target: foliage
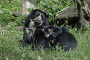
x,y
49,6
10,48
9,39
6,10
53,6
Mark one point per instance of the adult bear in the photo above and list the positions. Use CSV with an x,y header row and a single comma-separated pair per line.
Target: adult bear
x,y
31,29
59,36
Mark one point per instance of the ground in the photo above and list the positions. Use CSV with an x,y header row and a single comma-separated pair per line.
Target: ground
x,y
10,47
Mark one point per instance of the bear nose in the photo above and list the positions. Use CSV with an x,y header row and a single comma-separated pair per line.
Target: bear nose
x,y
38,21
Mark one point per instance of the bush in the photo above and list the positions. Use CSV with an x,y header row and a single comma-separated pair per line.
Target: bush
x,y
6,10
54,6
49,6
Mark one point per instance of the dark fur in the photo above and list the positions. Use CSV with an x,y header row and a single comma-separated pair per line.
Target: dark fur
x,y
60,36
32,32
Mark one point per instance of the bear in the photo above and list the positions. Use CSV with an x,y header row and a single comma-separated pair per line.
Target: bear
x,y
31,29
59,36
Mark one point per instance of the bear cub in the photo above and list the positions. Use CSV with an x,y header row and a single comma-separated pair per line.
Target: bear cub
x,y
59,36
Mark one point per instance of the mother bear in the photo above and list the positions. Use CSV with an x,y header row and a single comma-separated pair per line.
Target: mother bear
x,y
32,31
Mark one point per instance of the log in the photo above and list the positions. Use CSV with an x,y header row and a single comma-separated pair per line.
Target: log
x,y
69,13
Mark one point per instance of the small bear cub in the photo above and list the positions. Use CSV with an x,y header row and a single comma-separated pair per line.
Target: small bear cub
x,y
60,36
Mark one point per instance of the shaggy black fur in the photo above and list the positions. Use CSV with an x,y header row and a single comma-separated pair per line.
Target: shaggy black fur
x,y
32,32
59,36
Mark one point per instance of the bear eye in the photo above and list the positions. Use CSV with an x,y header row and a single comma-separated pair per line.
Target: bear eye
x,y
31,20
36,15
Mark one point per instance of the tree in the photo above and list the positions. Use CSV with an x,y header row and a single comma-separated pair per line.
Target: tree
x,y
83,9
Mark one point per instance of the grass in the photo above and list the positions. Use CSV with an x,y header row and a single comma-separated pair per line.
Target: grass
x,y
10,48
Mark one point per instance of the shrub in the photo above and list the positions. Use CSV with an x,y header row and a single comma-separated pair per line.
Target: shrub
x,y
6,10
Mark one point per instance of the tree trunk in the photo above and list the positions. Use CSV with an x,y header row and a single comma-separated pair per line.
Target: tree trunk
x,y
83,8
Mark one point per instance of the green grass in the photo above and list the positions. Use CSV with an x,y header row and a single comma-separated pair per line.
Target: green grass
x,y
10,48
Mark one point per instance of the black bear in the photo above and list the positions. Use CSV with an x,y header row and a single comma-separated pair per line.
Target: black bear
x,y
32,31
59,36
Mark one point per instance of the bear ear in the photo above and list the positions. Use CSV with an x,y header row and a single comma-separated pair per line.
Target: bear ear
x,y
50,26
47,15
33,10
